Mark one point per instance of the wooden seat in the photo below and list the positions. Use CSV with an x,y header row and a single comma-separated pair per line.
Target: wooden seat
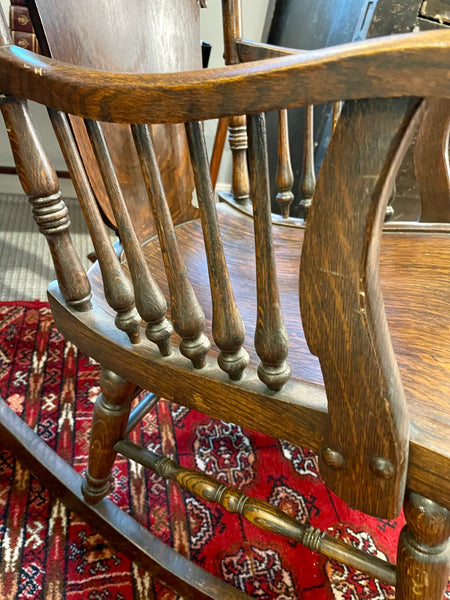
x,y
274,326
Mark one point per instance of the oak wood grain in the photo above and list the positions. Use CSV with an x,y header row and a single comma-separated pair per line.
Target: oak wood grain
x,y
417,308
404,65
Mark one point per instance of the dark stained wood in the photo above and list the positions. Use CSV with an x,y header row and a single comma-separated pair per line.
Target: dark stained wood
x,y
379,414
227,326
407,65
117,288
423,550
39,181
94,39
308,179
259,513
431,162
187,314
249,51
271,340
217,151
150,302
416,307
237,131
113,523
109,422
342,309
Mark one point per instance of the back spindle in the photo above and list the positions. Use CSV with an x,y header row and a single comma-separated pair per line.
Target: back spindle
x,y
187,315
150,301
308,181
118,289
285,177
40,183
271,339
237,129
227,325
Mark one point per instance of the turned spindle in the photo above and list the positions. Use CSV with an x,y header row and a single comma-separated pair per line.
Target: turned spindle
x,y
271,340
150,301
308,180
118,289
237,129
285,176
40,183
109,422
423,555
227,325
187,315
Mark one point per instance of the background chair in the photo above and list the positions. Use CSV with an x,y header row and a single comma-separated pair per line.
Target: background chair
x,y
377,412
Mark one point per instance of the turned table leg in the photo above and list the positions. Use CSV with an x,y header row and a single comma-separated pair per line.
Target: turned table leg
x,y
423,556
109,421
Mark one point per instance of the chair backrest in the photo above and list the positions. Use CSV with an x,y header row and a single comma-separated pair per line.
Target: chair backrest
x,y
154,37
340,296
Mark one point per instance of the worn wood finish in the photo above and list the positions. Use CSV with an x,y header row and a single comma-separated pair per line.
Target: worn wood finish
x,y
117,288
416,307
342,308
150,303
271,340
237,131
432,163
259,513
217,151
113,523
109,422
340,287
423,554
39,181
387,67
227,326
187,314
94,40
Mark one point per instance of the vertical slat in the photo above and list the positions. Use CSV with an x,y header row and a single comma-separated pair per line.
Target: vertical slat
x,y
118,290
150,301
227,325
308,181
271,340
285,176
187,315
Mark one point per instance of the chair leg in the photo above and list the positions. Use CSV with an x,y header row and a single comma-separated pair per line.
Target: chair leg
x,y
108,425
423,556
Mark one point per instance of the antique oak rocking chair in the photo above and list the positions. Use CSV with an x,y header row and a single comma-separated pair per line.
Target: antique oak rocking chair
x,y
277,327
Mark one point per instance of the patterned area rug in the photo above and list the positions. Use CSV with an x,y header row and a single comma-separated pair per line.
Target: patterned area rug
x,y
48,552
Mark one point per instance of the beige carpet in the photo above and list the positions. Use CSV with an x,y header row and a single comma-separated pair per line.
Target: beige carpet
x,y
25,264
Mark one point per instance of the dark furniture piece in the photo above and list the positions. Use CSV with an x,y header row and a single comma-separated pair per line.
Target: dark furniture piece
x,y
326,23
208,313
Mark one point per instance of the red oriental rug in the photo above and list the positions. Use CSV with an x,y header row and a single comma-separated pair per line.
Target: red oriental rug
x,y
47,552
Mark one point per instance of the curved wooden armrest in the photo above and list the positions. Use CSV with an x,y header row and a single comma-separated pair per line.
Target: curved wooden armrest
x,y
404,65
